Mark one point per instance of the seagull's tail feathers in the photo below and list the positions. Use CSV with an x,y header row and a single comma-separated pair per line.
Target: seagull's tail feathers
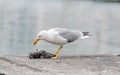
x,y
85,35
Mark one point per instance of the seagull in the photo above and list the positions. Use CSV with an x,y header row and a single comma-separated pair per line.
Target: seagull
x,y
60,36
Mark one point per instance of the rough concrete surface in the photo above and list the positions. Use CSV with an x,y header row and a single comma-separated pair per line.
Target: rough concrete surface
x,y
65,65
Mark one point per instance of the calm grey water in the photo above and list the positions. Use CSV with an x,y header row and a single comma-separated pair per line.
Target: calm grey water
x,y
21,20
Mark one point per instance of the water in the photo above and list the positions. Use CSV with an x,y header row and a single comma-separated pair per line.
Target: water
x,y
21,20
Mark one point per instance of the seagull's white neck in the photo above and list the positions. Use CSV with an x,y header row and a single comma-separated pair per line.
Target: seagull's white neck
x,y
46,36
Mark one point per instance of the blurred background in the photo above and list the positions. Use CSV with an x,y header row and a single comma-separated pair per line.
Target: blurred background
x,y
21,21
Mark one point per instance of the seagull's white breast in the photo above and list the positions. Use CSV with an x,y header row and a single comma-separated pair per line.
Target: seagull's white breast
x,y
54,37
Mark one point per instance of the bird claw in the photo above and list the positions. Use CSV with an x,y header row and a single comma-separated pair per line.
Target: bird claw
x,y
55,57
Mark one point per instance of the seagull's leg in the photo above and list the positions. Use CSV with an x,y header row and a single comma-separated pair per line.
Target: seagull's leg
x,y
57,52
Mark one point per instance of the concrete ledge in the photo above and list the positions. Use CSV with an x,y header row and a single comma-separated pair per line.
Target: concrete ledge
x,y
65,65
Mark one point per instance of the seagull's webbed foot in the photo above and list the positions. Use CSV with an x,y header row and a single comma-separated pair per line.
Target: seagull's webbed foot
x,y
55,57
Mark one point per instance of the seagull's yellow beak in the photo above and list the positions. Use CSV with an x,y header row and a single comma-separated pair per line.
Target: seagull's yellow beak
x,y
35,41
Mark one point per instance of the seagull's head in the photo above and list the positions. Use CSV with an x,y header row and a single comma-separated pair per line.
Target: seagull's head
x,y
40,36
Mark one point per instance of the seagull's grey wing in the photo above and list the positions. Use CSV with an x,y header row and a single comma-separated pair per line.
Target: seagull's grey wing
x,y
70,35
